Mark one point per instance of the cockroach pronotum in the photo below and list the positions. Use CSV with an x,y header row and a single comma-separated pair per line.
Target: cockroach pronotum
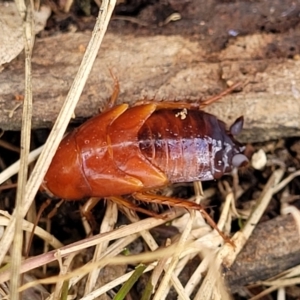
x,y
127,150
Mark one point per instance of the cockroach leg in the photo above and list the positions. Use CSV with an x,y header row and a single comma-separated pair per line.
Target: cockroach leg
x,y
192,105
177,202
169,104
54,210
86,209
126,203
38,217
122,202
116,91
215,98
92,202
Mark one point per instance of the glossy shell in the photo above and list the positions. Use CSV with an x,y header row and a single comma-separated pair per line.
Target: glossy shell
x,y
125,150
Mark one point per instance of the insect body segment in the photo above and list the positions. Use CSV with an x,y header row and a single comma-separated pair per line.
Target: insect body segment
x,y
126,150
197,147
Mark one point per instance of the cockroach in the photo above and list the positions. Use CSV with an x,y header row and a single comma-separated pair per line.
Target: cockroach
x,y
132,150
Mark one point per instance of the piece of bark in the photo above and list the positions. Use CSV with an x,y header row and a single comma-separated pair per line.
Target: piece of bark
x,y
273,248
160,67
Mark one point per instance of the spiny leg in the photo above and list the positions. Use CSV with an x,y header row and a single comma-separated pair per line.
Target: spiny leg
x,y
194,105
86,209
53,212
177,202
168,104
124,202
92,202
215,98
38,217
116,91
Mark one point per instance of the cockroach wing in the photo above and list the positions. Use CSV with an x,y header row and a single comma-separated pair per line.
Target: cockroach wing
x,y
65,178
98,159
83,166
123,134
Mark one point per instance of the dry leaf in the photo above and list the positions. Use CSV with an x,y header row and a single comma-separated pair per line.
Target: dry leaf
x,y
11,39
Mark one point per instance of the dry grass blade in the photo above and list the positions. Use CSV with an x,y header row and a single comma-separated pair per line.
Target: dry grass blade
x,y
162,264
112,251
28,227
42,259
14,168
146,235
26,12
113,284
60,285
276,285
209,254
242,236
107,225
227,254
60,126
168,252
133,259
193,246
294,211
164,286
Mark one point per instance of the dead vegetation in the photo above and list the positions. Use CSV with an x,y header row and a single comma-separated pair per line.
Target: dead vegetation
x,y
185,259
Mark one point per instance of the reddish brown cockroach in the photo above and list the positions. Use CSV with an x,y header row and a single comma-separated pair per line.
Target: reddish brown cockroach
x,y
133,150
127,150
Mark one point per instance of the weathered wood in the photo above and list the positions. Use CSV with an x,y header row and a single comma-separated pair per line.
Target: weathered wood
x,y
161,67
273,248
